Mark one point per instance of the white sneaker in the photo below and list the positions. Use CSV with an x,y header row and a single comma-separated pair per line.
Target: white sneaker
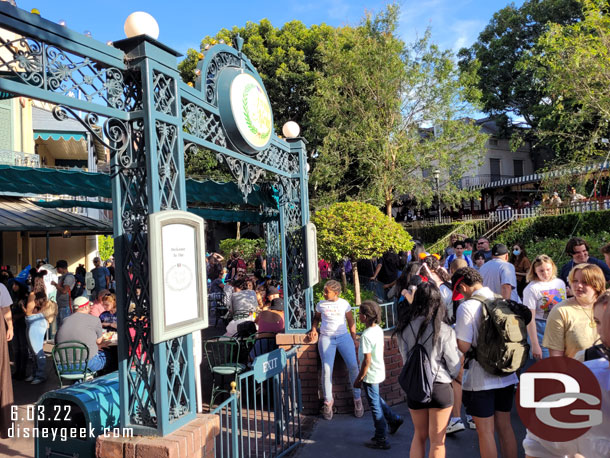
x,y
37,381
471,423
29,378
455,425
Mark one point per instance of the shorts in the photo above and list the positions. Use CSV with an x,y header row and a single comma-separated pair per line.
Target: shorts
x,y
442,397
485,403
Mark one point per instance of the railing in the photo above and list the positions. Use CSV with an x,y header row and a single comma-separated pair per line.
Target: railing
x,y
480,180
541,210
227,441
388,315
8,157
262,419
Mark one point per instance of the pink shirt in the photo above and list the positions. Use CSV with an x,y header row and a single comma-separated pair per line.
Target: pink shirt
x,y
97,309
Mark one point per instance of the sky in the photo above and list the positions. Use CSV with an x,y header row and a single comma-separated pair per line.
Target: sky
x,y
454,23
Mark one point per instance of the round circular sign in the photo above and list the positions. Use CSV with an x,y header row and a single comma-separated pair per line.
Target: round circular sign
x,y
559,399
251,110
245,110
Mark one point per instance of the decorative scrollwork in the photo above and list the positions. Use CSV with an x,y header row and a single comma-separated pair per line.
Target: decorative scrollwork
x,y
114,129
202,123
247,175
164,93
48,67
279,158
168,169
219,61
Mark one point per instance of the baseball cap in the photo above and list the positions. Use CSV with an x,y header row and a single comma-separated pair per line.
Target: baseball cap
x,y
80,302
62,263
457,296
499,249
277,304
272,290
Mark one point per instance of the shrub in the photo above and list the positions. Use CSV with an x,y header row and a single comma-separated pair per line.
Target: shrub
x,y
246,247
105,246
431,235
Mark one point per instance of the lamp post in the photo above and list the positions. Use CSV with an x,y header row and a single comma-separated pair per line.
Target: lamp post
x,y
437,174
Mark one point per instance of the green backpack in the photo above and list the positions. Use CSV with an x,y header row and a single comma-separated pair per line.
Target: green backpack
x,y
502,347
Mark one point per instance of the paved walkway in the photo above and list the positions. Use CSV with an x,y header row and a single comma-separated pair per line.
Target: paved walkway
x,y
345,435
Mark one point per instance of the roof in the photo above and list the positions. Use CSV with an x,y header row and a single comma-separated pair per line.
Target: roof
x,y
18,214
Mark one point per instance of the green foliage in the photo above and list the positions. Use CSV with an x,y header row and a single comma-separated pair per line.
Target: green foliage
x,y
571,65
549,234
247,248
202,163
358,231
373,102
288,61
432,234
350,296
105,246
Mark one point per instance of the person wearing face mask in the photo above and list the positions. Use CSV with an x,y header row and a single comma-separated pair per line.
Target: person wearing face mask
x,y
522,265
543,293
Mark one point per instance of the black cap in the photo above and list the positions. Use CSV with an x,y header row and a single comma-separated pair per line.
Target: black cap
x,y
62,263
277,304
272,290
499,249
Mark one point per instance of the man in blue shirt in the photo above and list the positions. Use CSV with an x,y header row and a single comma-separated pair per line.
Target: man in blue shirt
x,y
578,249
101,276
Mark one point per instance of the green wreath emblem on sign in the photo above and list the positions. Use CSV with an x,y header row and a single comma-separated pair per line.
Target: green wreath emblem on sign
x,y
249,122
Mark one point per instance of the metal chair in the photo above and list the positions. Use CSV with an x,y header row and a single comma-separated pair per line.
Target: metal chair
x,y
70,359
217,303
222,354
261,343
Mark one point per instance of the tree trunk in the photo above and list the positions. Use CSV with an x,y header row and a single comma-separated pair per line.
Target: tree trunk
x,y
343,277
388,208
238,234
356,283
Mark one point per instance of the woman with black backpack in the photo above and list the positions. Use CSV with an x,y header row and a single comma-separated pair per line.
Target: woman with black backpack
x,y
432,361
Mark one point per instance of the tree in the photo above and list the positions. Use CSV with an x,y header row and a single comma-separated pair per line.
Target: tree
x,y
287,60
494,63
105,246
357,230
390,113
573,61
247,248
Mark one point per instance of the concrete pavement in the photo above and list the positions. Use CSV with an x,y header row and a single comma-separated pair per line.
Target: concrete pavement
x,y
345,435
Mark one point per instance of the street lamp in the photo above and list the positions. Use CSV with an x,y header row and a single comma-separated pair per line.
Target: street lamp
x,y
437,174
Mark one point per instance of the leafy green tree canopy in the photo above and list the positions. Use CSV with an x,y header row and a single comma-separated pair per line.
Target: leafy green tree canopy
x,y
377,104
357,230
247,248
105,246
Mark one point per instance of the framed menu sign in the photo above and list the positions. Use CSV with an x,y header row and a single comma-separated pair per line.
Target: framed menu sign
x,y
177,274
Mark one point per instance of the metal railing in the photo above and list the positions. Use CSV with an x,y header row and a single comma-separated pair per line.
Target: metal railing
x,y
262,419
389,317
19,158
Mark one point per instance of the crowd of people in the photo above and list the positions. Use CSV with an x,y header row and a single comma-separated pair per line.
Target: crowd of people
x,y
441,301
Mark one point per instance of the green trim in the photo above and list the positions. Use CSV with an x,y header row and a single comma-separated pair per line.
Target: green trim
x,y
59,136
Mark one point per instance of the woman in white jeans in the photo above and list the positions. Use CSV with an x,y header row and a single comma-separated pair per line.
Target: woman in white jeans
x,y
332,313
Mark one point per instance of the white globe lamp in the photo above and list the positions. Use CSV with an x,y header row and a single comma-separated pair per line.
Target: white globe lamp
x,y
141,23
291,129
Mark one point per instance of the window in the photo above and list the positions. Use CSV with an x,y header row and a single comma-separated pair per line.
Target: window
x,y
518,167
494,169
493,142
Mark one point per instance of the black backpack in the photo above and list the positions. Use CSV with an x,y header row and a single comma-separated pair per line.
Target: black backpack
x,y
416,378
79,286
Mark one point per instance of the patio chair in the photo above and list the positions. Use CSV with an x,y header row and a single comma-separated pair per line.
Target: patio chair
x,y
222,354
70,359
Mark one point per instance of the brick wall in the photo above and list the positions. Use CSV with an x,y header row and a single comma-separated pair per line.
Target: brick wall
x,y
310,373
194,440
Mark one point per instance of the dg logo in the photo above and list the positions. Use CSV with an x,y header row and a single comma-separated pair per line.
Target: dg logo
x,y
559,399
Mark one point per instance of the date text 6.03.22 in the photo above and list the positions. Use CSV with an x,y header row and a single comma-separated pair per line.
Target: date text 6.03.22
x,y
42,413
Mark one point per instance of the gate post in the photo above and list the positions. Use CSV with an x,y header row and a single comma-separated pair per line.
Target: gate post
x,y
157,386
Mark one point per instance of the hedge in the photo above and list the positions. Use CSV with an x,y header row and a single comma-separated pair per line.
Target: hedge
x,y
549,234
431,234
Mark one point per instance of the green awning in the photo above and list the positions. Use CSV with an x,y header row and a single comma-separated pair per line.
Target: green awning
x,y
65,203
227,216
27,180
59,136
232,216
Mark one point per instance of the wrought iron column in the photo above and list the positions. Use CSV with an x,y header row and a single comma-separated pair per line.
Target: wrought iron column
x,y
157,386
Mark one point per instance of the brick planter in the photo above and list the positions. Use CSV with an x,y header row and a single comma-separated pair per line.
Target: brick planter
x,y
310,373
